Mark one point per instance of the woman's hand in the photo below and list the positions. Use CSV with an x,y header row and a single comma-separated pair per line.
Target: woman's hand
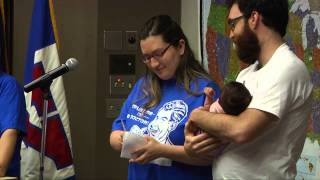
x,y
148,152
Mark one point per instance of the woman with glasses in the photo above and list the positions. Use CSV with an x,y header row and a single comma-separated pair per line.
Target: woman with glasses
x,y
159,106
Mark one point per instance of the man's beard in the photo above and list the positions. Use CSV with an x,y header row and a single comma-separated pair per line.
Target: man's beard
x,y
248,48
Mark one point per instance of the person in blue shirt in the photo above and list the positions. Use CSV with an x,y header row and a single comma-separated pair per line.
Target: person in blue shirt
x,y
12,125
159,106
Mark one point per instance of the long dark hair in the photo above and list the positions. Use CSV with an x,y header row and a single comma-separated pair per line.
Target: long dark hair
x,y
188,69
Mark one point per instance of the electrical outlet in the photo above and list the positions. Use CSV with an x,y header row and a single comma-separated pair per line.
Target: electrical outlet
x,y
131,40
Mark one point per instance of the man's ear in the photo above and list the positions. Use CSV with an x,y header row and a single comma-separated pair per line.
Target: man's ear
x,y
254,19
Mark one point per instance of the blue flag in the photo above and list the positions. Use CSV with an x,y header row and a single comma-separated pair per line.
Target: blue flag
x,y
42,57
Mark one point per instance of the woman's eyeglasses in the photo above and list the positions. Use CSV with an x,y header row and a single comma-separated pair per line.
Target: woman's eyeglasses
x,y
233,22
157,54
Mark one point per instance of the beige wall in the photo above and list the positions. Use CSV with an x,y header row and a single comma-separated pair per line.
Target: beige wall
x,y
190,23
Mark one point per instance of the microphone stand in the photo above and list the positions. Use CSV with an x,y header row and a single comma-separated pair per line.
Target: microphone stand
x,y
45,88
44,82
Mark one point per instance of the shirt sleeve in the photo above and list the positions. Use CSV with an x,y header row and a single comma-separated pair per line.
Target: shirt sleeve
x,y
12,105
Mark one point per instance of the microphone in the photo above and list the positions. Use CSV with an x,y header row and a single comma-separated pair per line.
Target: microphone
x,y
47,78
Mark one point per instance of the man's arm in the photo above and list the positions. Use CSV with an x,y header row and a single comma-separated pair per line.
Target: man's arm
x,y
240,129
7,146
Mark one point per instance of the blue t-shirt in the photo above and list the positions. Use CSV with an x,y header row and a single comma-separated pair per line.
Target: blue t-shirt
x,y
12,116
165,123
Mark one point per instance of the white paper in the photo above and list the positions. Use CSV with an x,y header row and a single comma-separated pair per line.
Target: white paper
x,y
130,143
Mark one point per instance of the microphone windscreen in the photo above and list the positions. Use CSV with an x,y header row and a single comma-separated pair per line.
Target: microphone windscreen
x,y
72,63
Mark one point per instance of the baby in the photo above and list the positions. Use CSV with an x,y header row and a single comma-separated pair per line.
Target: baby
x,y
234,99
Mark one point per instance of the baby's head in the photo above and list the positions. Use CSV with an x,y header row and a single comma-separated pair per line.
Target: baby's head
x,y
235,98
